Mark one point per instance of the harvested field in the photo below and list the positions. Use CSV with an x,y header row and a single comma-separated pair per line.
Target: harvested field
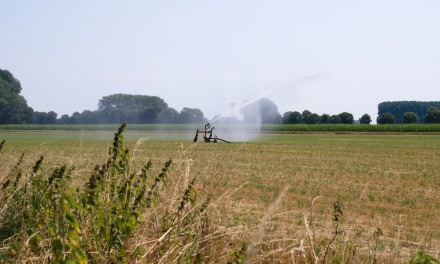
x,y
276,193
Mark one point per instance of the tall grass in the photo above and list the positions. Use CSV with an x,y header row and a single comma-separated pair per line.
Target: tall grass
x,y
126,211
45,217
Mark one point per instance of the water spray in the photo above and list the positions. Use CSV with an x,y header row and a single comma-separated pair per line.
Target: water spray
x,y
297,80
301,79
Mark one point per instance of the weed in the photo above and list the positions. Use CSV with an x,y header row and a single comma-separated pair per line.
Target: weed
x,y
1,144
99,219
337,213
377,244
239,255
46,217
422,258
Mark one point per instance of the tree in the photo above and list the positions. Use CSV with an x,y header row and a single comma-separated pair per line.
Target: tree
x,y
45,118
261,111
308,117
51,118
76,118
386,118
10,82
117,108
272,117
335,119
13,106
365,119
410,118
87,117
40,117
168,116
314,119
291,118
346,118
325,119
286,117
305,117
432,115
191,116
64,119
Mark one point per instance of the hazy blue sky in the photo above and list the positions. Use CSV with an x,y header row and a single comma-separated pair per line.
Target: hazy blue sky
x,y
207,54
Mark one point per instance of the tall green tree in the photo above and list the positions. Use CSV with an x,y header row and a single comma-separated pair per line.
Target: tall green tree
x,y
346,118
46,118
130,108
325,119
64,119
191,116
308,117
314,118
13,106
305,117
168,116
410,118
292,117
432,115
365,119
386,118
335,119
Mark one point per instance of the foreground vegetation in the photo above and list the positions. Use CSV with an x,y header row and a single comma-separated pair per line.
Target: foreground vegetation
x,y
344,198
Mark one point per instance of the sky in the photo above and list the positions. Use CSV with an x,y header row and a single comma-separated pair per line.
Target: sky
x,y
210,54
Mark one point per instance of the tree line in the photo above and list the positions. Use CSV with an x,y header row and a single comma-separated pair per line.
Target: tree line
x,y
112,109
266,112
432,116
134,109
144,109
307,117
409,112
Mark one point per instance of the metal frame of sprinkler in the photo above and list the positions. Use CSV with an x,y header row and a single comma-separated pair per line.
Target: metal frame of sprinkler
x,y
208,136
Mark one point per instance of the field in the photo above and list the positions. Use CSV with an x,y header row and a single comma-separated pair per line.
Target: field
x,y
304,198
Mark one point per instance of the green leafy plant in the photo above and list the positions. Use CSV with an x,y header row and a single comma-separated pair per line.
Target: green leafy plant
x,y
77,223
422,258
46,216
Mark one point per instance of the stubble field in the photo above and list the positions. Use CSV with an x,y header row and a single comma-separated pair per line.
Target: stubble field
x,y
349,198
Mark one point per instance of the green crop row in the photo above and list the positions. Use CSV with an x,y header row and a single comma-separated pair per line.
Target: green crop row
x,y
408,128
352,128
110,127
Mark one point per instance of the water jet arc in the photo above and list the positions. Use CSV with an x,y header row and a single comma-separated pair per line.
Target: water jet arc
x,y
301,79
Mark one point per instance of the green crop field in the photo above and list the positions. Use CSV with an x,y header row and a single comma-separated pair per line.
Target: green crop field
x,y
271,198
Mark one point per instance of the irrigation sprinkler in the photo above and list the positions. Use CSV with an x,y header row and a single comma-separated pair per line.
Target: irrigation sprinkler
x,y
208,136
296,81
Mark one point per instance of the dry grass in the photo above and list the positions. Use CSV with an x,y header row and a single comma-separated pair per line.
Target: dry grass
x,y
276,193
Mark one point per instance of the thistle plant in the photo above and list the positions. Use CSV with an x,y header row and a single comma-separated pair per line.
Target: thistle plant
x,y
45,215
337,215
